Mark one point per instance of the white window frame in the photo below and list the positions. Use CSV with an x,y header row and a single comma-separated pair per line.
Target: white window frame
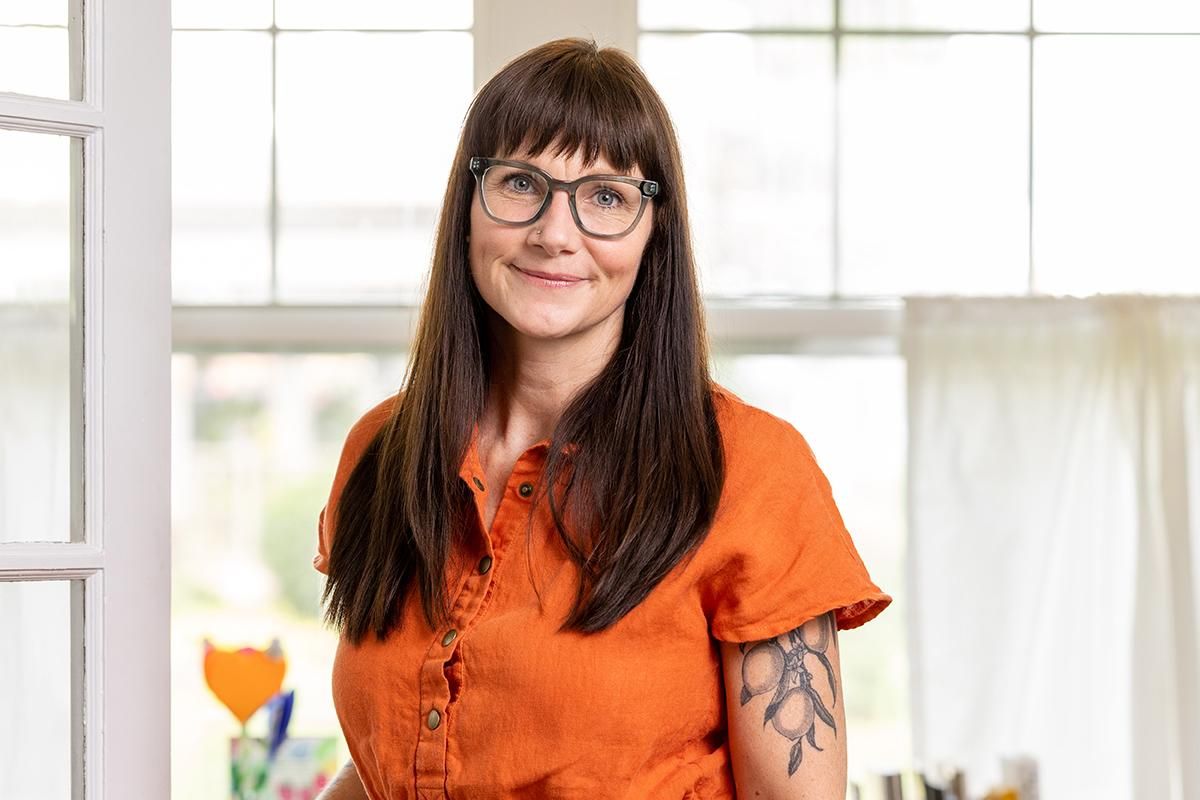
x,y
120,398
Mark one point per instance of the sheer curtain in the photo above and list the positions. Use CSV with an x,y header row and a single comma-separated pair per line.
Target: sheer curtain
x,y
1054,530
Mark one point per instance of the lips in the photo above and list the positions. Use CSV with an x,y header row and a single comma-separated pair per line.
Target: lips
x,y
550,276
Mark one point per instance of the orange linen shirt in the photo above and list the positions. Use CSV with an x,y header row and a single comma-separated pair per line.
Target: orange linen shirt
x,y
499,704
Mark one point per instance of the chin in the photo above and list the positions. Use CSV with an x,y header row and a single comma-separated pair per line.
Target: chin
x,y
543,329
556,332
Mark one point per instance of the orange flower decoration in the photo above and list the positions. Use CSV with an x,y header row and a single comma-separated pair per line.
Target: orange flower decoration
x,y
246,678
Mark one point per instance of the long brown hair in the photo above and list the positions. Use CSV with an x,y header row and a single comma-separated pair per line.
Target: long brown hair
x,y
645,468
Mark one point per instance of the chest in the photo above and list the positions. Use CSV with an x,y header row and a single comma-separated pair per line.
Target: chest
x,y
634,711
497,471
491,503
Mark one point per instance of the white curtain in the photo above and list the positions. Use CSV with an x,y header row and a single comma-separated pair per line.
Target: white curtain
x,y
1054,540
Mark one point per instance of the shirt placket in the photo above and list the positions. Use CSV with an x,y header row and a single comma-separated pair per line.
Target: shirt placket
x,y
472,600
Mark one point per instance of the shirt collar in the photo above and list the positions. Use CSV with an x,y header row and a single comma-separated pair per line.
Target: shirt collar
x,y
530,462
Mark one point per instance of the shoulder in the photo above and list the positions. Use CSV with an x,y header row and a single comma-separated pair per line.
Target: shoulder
x,y
373,419
779,552
361,433
759,446
775,498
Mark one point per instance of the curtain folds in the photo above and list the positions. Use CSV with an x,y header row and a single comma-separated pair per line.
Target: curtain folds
x,y
1054,540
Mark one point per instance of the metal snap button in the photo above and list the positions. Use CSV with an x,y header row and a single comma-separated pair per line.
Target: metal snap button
x,y
526,489
449,637
478,483
434,720
485,564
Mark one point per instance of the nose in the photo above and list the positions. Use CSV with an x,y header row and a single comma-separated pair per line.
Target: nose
x,y
556,224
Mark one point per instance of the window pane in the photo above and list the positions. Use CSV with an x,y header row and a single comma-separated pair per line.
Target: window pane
x,y
221,158
755,122
256,438
934,164
852,413
38,691
364,156
39,323
40,51
221,14
373,14
740,14
1167,16
34,12
1116,165
991,15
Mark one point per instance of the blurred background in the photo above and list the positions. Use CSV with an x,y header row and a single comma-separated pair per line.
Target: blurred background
x,y
867,180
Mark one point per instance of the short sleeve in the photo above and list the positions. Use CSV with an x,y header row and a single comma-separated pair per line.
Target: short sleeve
x,y
780,554
355,445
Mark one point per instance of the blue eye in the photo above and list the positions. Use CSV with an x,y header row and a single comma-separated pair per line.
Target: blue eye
x,y
608,198
521,182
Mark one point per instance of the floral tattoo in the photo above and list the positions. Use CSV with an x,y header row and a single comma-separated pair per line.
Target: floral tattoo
x,y
795,707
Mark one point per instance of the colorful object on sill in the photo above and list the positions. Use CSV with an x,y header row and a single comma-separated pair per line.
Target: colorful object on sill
x,y
301,769
279,710
246,678
252,768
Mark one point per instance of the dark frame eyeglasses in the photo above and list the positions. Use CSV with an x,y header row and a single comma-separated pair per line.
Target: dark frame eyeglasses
x,y
480,165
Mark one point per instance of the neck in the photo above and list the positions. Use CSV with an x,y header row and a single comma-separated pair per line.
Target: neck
x,y
533,379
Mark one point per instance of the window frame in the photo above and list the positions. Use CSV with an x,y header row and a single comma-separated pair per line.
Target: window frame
x,y
118,317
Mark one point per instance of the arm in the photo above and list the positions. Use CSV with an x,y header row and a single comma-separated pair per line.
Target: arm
x,y
787,729
346,785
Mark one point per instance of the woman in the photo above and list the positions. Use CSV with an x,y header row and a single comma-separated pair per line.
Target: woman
x,y
662,623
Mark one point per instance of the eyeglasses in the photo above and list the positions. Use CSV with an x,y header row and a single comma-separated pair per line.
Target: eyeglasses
x,y
517,193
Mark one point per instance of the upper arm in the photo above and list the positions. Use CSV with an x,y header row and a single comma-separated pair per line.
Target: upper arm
x,y
787,730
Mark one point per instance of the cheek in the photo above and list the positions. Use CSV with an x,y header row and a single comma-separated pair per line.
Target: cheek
x,y
481,248
473,247
622,266
639,246
619,272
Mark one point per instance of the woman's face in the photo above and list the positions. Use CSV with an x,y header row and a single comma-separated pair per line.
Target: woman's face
x,y
603,270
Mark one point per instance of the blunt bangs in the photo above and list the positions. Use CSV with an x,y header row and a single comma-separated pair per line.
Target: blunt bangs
x,y
576,102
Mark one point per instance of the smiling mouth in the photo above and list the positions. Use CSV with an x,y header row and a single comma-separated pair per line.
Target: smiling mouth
x,y
550,277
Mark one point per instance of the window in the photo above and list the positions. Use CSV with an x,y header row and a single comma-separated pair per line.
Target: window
x,y
308,162
864,149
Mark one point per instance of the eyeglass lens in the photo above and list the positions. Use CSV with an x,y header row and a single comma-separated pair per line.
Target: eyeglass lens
x,y
605,207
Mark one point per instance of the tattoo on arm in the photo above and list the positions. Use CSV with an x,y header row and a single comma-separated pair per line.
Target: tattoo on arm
x,y
780,667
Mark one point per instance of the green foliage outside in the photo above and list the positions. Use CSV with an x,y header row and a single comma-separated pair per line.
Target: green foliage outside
x,y
290,541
